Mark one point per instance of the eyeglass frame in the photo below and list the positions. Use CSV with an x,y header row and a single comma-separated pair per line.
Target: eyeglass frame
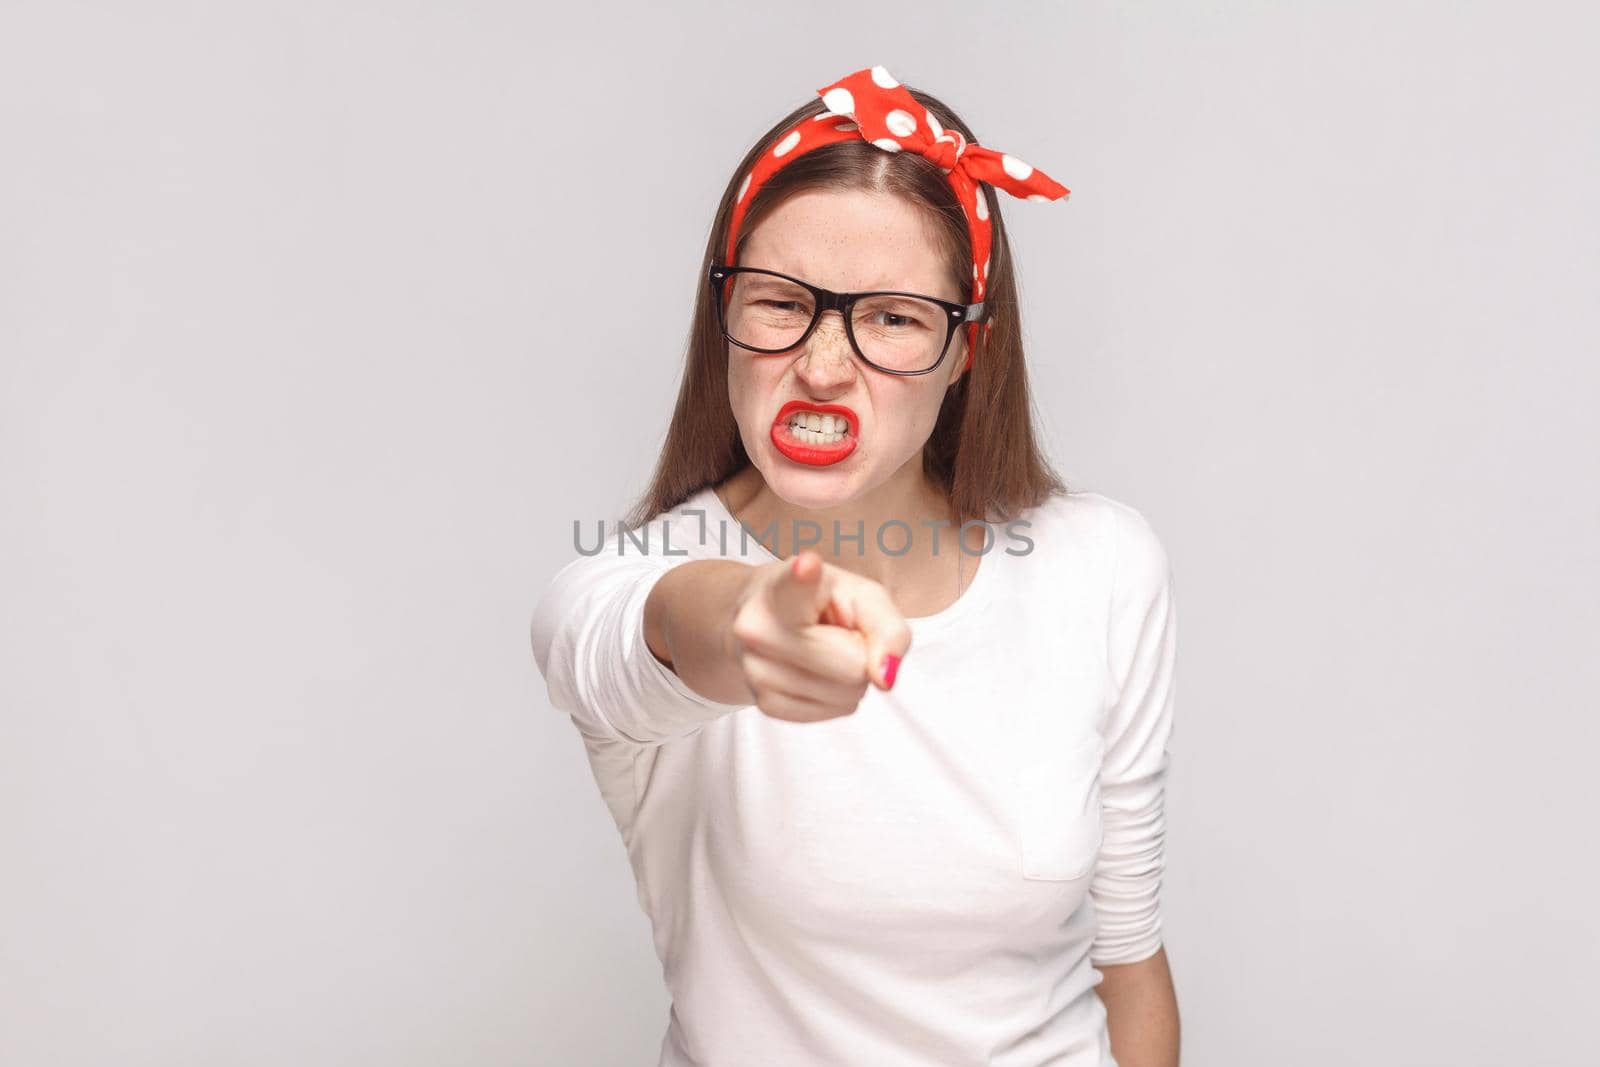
x,y
827,300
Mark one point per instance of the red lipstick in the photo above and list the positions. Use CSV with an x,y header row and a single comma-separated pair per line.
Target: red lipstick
x,y
792,445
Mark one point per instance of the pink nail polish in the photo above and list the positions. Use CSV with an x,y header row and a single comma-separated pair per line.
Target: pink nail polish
x,y
891,664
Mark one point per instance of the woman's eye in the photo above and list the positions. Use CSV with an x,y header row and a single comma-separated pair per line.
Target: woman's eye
x,y
896,321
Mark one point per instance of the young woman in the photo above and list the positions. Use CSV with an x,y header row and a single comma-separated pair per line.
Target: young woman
x,y
893,794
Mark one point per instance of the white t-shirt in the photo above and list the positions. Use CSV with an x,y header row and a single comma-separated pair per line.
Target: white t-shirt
x,y
930,880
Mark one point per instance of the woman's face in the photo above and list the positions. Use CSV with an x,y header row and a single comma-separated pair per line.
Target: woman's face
x,y
847,242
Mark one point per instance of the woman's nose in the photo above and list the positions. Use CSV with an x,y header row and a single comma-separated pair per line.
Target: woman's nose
x,y
826,360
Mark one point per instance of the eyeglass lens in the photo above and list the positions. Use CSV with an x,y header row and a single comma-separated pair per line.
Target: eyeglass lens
x,y
900,333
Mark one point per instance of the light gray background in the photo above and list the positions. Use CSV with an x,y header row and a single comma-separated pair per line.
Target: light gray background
x,y
322,321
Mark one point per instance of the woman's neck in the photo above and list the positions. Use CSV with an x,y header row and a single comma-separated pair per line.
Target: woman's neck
x,y
924,569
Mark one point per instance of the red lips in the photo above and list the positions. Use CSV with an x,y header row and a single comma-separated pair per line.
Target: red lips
x,y
805,452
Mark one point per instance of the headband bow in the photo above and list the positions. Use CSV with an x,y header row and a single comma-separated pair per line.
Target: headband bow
x,y
871,105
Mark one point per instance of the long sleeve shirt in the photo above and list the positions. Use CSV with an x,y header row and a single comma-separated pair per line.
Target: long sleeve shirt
x,y
933,879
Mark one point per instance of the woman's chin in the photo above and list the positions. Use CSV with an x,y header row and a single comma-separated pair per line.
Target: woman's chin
x,y
811,488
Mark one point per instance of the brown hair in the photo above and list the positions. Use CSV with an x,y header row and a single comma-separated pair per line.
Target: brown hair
x,y
983,451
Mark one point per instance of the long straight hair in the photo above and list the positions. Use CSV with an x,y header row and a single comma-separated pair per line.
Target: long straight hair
x,y
983,453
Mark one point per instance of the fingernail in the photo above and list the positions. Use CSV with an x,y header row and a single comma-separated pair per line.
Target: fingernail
x,y
891,664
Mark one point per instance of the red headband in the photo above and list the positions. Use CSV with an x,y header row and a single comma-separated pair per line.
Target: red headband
x,y
871,105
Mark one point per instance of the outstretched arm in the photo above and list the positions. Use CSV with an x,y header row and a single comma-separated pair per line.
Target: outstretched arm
x,y
591,645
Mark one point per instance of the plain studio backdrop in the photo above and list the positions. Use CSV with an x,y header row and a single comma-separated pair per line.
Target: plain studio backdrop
x,y
320,323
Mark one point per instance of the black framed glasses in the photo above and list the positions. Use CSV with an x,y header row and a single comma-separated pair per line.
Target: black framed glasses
x,y
891,331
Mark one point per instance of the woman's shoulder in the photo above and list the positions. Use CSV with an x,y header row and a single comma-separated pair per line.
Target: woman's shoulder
x,y
701,527
1076,520
1086,509
603,547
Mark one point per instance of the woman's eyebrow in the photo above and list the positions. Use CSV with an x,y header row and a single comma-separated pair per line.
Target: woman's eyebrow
x,y
877,287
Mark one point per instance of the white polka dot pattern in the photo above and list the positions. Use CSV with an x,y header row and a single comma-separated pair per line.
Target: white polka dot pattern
x,y
1016,167
900,123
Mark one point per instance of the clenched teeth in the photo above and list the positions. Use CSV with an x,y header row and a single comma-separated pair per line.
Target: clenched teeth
x,y
819,429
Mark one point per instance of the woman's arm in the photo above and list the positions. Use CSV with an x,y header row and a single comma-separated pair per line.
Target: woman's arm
x,y
687,624
590,643
1136,983
641,652
1141,1011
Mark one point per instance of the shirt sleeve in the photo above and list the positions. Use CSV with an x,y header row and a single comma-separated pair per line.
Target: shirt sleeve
x,y
1142,644
589,643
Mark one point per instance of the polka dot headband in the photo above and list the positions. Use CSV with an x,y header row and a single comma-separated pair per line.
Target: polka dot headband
x,y
871,105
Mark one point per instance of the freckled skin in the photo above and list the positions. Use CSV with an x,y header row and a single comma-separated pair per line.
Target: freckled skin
x,y
846,241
